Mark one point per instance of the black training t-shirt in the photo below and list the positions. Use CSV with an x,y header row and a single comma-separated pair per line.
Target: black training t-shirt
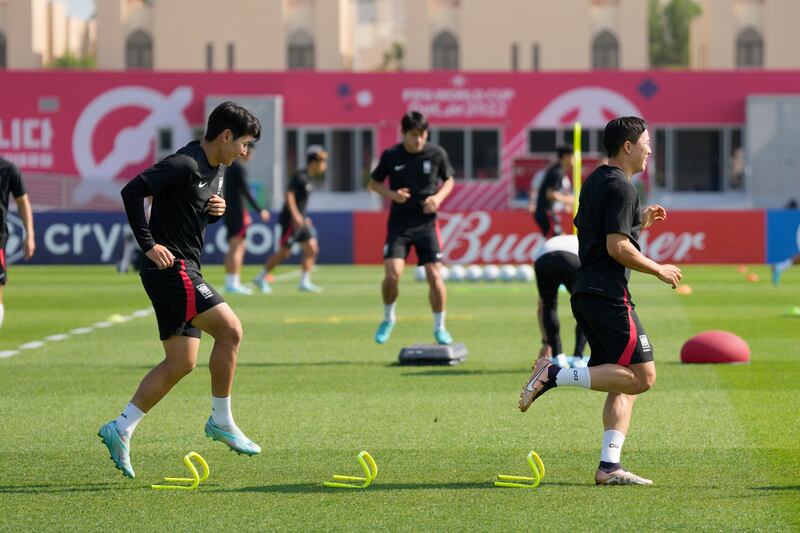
x,y
182,185
553,179
300,186
608,204
417,172
10,183
236,191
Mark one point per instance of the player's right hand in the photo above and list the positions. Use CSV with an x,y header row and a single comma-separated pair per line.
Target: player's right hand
x,y
401,195
161,256
670,274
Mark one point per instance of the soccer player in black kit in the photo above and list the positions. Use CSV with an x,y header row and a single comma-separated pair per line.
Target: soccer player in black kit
x,y
550,192
237,219
609,220
185,189
11,184
414,168
295,224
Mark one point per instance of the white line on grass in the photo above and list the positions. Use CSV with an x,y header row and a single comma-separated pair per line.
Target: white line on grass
x,y
113,319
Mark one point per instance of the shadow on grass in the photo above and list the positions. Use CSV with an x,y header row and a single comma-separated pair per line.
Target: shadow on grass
x,y
777,488
449,371
42,488
316,488
279,364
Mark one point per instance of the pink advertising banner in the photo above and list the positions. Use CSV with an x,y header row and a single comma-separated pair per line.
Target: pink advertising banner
x,y
103,125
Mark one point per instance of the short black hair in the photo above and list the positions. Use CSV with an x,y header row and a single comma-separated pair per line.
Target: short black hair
x,y
564,149
230,116
414,120
620,130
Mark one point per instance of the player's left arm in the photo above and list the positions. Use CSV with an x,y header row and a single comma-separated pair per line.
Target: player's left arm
x,y
652,214
215,207
434,202
26,214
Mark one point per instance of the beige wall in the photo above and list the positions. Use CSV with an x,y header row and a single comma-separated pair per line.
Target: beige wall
x,y
714,33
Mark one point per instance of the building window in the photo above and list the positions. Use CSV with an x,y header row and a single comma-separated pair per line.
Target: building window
x,y
301,51
351,155
2,50
209,56
749,49
535,57
139,50
474,153
698,159
605,51
445,51
231,56
514,56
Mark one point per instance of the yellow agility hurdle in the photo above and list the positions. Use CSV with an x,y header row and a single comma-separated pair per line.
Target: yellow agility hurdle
x,y
370,473
195,480
524,482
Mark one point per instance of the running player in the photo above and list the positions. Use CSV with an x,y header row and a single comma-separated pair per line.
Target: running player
x,y
779,267
414,168
550,192
556,263
609,220
11,184
296,226
236,221
185,191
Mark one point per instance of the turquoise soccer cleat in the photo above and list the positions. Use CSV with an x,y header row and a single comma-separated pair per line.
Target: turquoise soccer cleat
x,y
384,332
232,437
120,453
308,287
238,289
442,336
263,285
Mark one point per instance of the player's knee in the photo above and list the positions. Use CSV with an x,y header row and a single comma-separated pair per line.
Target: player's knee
x,y
392,277
182,367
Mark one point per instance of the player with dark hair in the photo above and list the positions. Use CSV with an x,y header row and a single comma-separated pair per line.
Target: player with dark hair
x,y
414,168
556,263
550,192
295,224
609,220
236,221
11,185
185,189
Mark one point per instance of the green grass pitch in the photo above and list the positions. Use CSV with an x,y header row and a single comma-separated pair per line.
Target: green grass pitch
x,y
722,443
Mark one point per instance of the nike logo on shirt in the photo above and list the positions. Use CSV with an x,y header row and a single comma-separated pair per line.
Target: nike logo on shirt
x,y
399,167
201,184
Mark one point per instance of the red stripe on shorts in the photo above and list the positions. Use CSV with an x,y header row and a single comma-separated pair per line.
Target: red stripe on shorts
x,y
3,258
286,234
625,358
191,306
245,223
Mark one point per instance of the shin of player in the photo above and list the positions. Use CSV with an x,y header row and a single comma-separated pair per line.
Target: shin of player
x,y
185,189
414,168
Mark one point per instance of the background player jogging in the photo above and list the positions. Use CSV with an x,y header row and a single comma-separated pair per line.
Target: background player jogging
x,y
556,263
296,226
185,191
414,168
236,221
609,220
11,184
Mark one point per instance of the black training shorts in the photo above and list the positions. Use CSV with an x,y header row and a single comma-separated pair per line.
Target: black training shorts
x,y
178,295
291,234
613,330
425,238
554,269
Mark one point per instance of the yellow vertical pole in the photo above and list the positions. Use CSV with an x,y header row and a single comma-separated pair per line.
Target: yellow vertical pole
x,y
576,170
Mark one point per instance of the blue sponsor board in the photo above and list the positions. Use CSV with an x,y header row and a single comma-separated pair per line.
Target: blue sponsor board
x,y
783,235
97,238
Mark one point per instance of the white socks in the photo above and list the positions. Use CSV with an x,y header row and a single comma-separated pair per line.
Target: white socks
x,y
232,280
438,320
576,377
128,420
2,313
612,446
221,411
305,277
388,312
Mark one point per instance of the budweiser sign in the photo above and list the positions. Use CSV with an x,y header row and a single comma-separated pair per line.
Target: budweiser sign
x,y
513,237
